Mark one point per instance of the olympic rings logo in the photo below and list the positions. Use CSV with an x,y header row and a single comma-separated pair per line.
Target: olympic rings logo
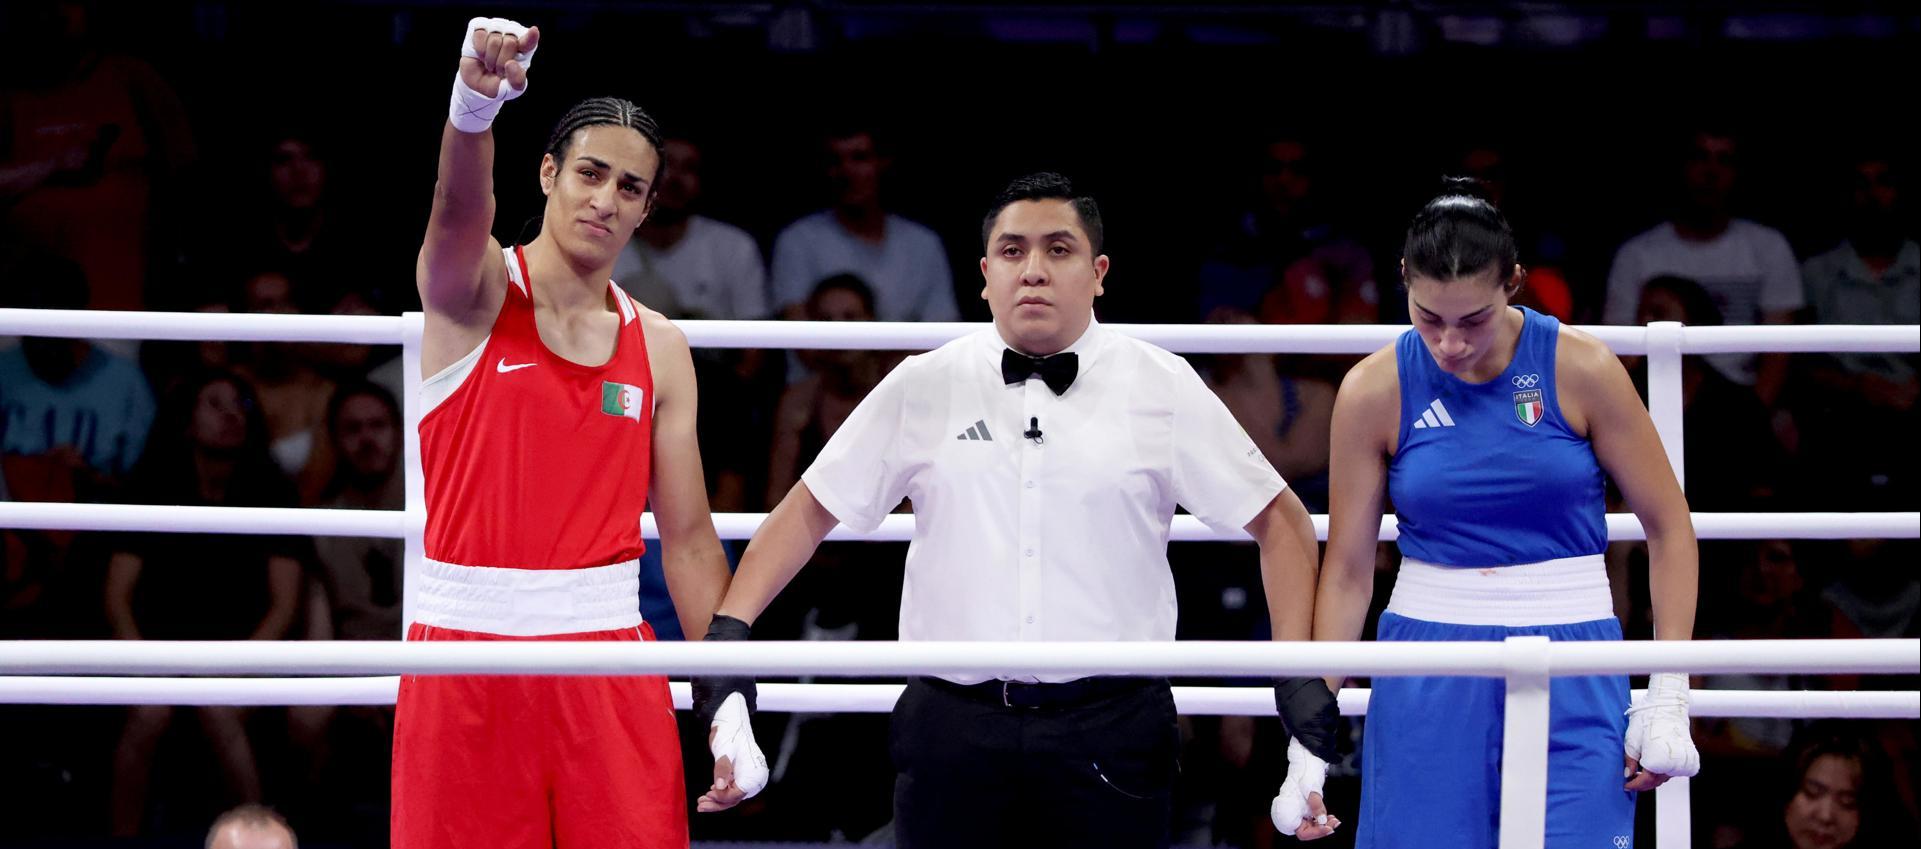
x,y
1526,381
1621,841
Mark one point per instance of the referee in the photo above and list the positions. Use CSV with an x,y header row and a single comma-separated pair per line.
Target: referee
x,y
1044,457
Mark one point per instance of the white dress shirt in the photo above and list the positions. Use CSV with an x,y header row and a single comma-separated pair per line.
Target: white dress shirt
x,y
1064,538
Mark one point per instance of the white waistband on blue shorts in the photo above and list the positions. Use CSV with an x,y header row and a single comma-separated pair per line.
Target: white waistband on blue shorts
x,y
528,602
1552,592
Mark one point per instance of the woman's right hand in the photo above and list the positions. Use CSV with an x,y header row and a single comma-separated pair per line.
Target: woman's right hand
x,y
497,50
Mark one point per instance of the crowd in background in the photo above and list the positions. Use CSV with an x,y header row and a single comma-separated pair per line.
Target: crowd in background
x,y
119,192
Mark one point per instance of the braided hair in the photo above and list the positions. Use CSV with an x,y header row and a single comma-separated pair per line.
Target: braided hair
x,y
603,112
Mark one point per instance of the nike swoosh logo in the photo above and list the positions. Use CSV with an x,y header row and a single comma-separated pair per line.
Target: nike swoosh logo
x,y
503,367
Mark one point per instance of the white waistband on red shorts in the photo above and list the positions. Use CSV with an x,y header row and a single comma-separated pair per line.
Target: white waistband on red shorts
x,y
1552,592
528,602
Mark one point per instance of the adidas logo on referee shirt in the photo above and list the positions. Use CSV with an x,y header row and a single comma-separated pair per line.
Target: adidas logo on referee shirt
x,y
1434,416
977,432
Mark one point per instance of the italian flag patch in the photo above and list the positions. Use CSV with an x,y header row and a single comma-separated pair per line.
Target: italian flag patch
x,y
620,399
1527,407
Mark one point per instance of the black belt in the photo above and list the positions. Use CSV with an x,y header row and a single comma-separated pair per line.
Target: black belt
x,y
1041,696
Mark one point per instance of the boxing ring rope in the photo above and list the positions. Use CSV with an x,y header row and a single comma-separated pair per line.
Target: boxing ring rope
x,y
1525,665
1184,658
859,698
901,336
392,524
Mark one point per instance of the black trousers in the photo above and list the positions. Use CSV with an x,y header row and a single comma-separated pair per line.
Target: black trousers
x,y
974,772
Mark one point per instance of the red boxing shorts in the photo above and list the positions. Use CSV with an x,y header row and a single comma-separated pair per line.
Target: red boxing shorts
x,y
518,762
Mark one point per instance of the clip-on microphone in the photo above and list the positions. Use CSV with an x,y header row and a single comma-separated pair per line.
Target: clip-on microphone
x,y
1034,430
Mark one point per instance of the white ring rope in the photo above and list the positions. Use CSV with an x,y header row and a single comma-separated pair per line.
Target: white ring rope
x,y
204,327
988,659
1524,662
294,521
391,524
862,698
877,335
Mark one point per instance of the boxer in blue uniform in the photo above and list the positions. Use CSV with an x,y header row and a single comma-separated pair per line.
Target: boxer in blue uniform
x,y
1492,429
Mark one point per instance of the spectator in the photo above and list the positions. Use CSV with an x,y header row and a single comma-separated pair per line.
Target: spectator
x,y
88,138
1762,597
208,447
1285,409
295,225
170,362
686,265
712,269
1545,252
293,394
902,261
361,577
73,415
356,591
1836,797
1872,277
74,418
1285,262
1747,269
813,408
251,827
1733,460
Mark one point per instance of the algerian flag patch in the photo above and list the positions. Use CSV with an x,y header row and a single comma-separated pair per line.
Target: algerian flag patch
x,y
621,399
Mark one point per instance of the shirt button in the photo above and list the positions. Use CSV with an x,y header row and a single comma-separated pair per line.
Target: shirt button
x,y
1030,620
1029,552
1030,484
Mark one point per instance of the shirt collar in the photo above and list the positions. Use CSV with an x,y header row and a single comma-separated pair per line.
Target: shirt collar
x,y
1089,346
1906,261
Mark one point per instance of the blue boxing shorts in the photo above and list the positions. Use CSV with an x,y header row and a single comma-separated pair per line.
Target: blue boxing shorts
x,y
1431,752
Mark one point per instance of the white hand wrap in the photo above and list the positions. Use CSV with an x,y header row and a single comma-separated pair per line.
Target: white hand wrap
x,y
471,111
734,740
1306,775
1658,733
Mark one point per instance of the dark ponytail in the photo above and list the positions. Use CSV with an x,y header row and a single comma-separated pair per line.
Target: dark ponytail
x,y
1460,234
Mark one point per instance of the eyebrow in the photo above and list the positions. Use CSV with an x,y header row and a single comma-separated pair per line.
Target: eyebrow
x,y
1056,236
1417,305
625,175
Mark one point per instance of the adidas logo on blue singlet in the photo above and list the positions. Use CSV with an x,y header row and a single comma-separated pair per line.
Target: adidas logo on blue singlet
x,y
1434,416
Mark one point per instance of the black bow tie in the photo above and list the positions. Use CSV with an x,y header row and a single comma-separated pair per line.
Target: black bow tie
x,y
1057,371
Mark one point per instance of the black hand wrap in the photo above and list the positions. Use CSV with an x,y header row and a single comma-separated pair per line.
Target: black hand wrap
x,y
711,690
1309,713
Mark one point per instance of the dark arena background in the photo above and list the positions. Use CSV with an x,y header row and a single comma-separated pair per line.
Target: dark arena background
x,y
1255,162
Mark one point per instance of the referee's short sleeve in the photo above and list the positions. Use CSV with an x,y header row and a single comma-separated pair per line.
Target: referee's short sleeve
x,y
1220,476
861,474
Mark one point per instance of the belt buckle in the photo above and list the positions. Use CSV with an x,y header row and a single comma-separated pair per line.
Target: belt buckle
x,y
1005,700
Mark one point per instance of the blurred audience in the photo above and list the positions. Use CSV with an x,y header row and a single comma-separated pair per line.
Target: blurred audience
x,y
89,140
902,261
208,447
1285,262
1872,277
251,827
1748,269
687,265
94,145
813,408
1834,796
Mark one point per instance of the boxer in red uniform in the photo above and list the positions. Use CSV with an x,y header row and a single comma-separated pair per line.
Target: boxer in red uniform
x,y
555,408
